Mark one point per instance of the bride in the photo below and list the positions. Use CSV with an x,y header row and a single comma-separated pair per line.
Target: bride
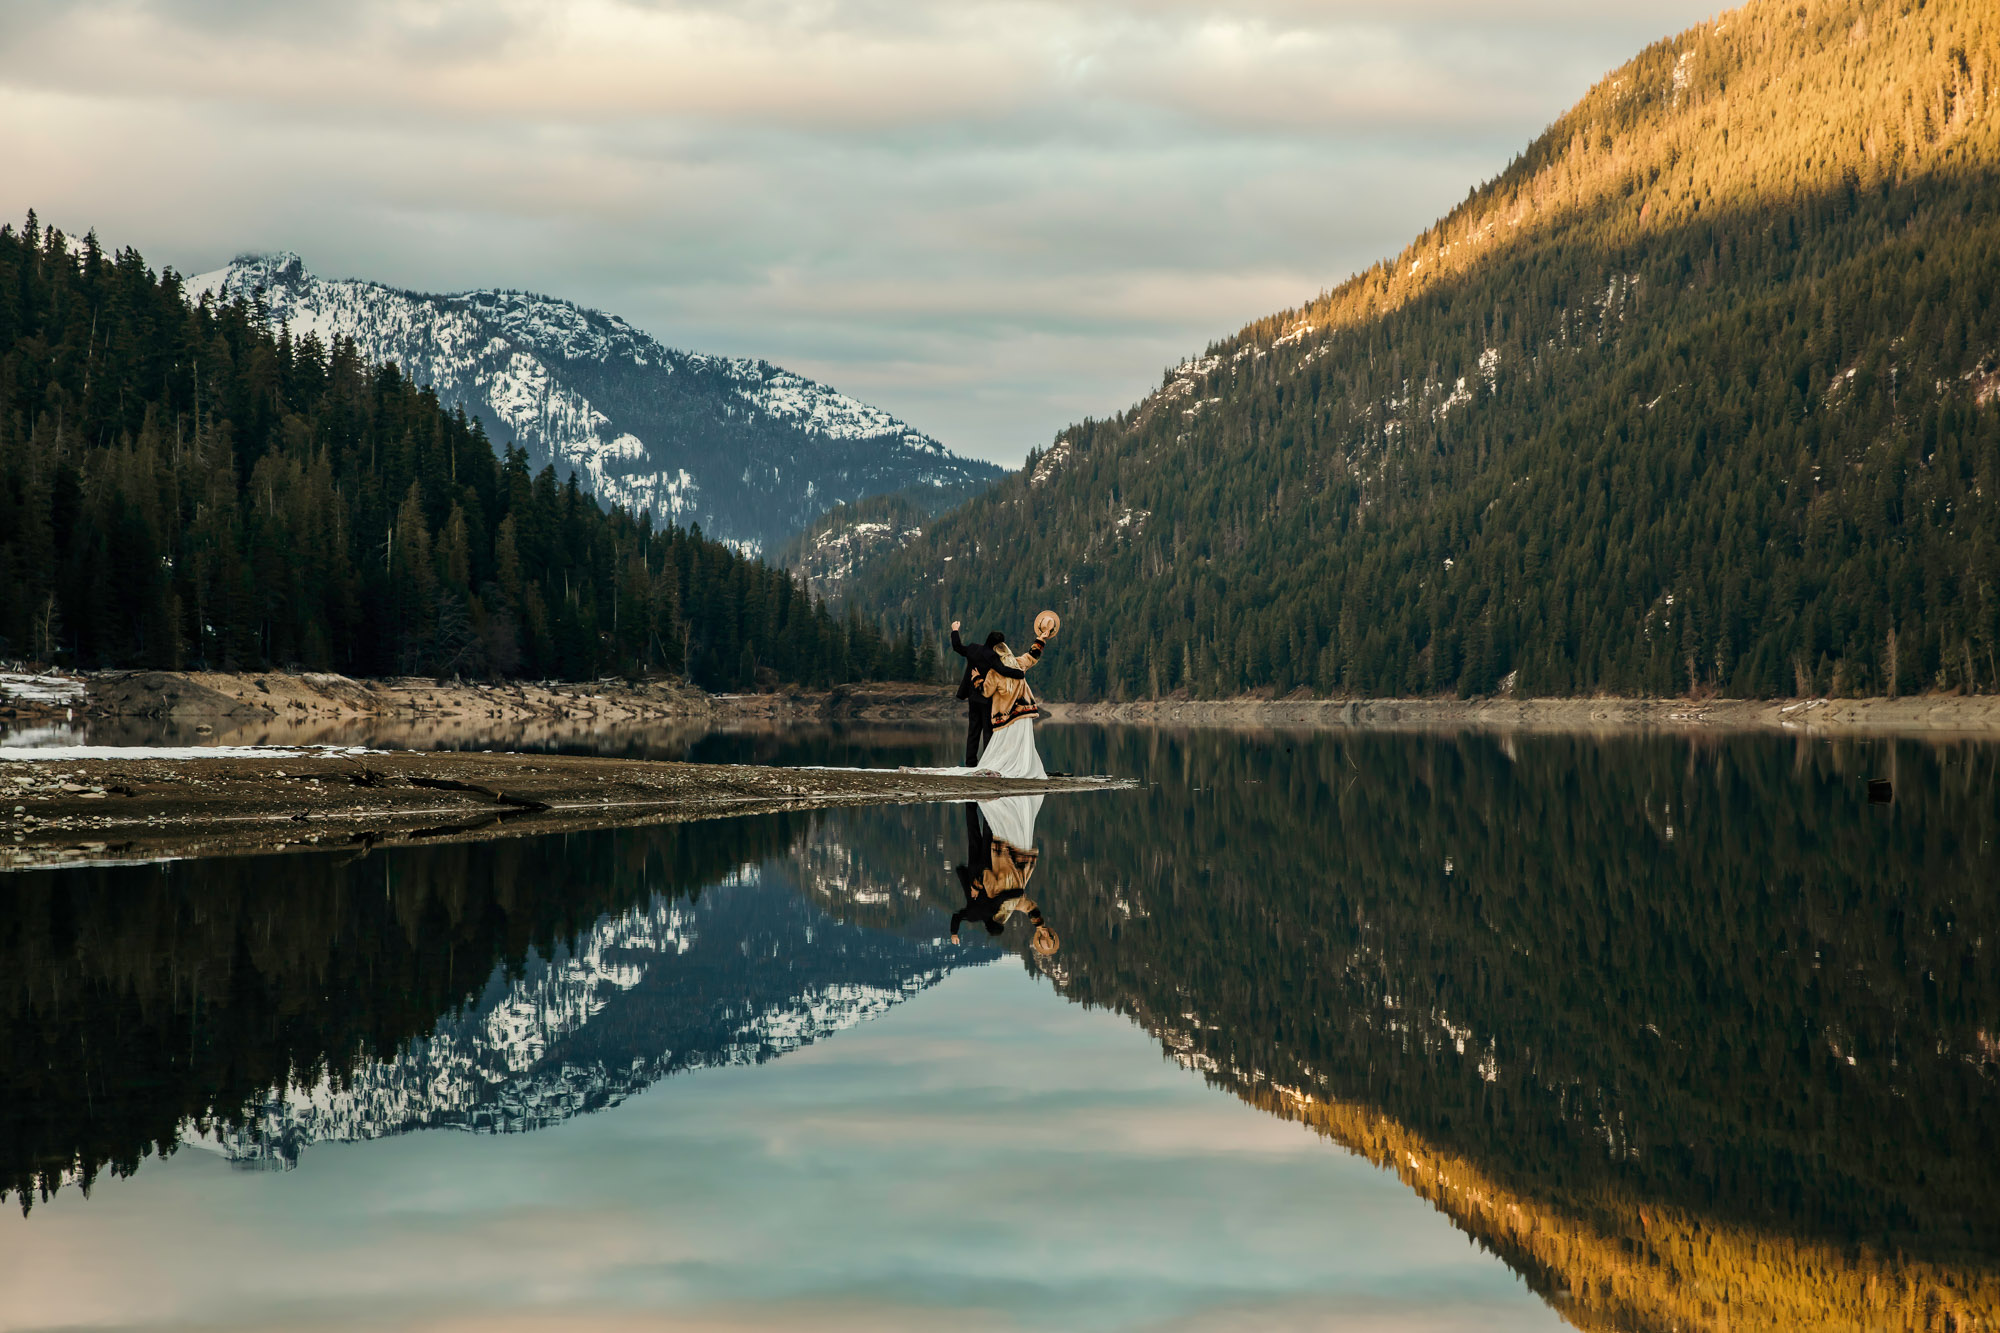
x,y
1012,753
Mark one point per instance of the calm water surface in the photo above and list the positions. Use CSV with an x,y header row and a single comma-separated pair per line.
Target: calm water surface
x,y
1355,1032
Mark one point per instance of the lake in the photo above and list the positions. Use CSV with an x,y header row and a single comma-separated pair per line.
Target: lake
x,y
1332,1031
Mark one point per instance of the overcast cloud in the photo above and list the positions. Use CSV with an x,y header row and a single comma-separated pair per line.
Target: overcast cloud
x,y
990,217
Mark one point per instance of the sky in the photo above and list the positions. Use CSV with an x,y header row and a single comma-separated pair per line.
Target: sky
x,y
991,217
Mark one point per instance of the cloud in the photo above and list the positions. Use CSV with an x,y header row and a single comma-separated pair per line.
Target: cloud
x,y
990,217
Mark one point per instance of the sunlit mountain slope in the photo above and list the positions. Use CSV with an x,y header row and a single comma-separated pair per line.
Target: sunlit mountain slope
x,y
1698,393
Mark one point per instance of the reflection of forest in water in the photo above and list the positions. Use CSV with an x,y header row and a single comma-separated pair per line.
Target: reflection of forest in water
x,y
497,986
1688,1032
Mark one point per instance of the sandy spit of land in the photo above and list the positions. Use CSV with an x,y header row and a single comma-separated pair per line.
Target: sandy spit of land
x,y
85,810
1917,715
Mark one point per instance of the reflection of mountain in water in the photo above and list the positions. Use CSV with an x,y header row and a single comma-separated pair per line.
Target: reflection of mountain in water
x,y
1688,1032
496,986
746,972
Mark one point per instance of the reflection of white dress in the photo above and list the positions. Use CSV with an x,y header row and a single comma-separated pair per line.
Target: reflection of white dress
x,y
1012,753
1012,818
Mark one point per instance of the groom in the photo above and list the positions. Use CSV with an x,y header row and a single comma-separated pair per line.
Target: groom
x,y
979,659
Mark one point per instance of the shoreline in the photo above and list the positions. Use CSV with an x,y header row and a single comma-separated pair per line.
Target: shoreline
x,y
74,809
321,708
1916,715
265,708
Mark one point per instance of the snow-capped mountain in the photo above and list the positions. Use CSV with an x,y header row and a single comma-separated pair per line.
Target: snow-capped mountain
x,y
750,451
749,970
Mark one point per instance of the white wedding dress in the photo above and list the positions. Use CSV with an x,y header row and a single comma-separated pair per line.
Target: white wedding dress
x,y
1012,753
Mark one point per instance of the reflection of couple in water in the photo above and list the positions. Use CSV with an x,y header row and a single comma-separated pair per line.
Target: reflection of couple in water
x,y
1000,707
1000,859
1000,738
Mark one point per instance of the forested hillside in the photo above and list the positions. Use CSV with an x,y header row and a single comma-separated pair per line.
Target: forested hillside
x,y
181,488
1699,394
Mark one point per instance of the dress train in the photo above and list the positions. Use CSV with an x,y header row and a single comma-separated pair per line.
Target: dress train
x,y
1012,753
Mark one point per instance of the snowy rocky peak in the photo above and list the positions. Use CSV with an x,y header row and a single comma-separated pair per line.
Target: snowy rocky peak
x,y
561,329
750,451
575,334
281,271
814,407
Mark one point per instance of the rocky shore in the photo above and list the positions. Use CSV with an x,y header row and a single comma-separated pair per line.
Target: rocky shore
x,y
92,806
307,708
1912,715
316,708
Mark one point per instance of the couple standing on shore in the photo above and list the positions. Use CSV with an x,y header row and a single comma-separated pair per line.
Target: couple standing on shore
x,y
1000,706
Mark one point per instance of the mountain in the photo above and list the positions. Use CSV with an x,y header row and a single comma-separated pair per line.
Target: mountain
x,y
749,451
1701,393
180,486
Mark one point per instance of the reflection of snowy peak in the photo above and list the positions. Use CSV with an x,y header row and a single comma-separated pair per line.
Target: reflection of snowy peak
x,y
850,883
750,451
745,973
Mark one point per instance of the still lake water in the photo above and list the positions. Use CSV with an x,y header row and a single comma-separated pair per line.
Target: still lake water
x,y
1343,1032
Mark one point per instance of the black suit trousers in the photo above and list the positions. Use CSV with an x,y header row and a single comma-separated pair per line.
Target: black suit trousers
x,y
978,728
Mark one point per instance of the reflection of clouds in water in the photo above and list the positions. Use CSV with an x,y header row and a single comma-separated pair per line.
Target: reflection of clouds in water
x,y
1097,1130
1040,1167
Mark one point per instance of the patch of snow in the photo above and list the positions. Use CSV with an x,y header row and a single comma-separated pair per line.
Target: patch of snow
x,y
1683,76
1458,397
45,753
47,688
1489,367
1050,463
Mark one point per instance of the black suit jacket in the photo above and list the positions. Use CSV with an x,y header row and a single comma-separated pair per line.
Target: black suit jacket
x,y
978,659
